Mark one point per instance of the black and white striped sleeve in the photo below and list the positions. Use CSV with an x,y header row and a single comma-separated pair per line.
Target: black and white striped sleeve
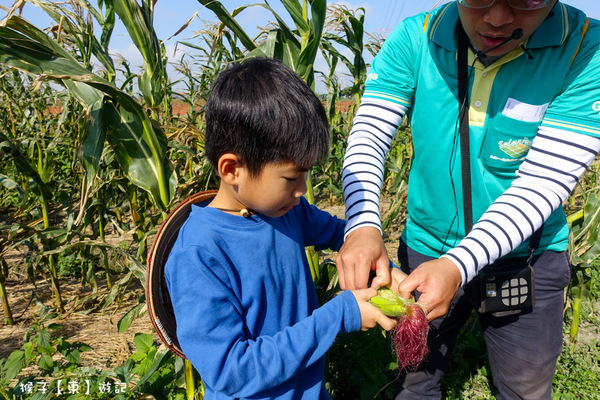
x,y
554,164
373,130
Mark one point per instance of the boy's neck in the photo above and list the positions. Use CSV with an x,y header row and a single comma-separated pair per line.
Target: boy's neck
x,y
225,201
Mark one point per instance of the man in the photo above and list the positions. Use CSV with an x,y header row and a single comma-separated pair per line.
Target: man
x,y
533,124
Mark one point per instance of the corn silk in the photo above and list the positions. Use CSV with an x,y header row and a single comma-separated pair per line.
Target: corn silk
x,y
409,336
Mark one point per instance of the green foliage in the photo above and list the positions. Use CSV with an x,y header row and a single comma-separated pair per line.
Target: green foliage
x,y
578,373
347,26
115,116
360,366
150,370
584,248
53,356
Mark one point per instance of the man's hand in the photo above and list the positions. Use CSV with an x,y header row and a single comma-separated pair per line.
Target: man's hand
x,y
437,281
362,252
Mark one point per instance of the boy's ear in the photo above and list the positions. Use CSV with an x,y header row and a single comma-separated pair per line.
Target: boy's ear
x,y
228,168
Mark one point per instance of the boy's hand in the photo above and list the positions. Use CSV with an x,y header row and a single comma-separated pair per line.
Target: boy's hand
x,y
369,314
397,277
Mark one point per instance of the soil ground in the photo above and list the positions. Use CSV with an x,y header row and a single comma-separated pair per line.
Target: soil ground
x,y
96,329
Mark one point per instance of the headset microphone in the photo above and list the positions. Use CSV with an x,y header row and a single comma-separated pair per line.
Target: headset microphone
x,y
516,35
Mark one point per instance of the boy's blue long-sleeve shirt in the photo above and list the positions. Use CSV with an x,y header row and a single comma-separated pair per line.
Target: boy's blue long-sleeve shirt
x,y
245,304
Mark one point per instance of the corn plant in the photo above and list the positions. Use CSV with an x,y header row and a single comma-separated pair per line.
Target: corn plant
x,y
64,55
112,114
350,23
138,142
396,178
75,29
296,48
30,153
217,47
584,247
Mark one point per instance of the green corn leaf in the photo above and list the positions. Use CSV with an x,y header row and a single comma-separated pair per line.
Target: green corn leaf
x,y
591,216
136,153
22,162
269,48
128,318
138,22
93,142
228,20
318,9
295,11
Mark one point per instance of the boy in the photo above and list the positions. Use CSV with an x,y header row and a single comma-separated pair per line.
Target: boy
x,y
245,304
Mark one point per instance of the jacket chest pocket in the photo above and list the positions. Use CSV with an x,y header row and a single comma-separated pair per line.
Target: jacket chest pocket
x,y
506,144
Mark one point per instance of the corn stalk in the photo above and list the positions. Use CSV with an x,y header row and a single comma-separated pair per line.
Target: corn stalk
x,y
8,317
38,173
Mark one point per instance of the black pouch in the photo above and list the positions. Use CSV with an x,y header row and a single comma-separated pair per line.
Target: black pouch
x,y
505,287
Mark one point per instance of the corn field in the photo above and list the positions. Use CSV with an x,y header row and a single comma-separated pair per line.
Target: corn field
x,y
94,153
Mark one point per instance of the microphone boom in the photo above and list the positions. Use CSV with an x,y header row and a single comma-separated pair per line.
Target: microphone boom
x,y
516,35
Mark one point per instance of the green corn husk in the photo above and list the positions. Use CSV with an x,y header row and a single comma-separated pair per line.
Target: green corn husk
x,y
390,303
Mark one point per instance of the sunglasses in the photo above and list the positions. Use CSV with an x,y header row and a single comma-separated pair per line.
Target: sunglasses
x,y
516,4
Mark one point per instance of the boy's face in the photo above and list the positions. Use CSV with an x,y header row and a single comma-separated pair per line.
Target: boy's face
x,y
275,191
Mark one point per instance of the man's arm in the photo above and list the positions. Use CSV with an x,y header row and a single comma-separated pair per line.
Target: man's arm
x,y
375,124
553,166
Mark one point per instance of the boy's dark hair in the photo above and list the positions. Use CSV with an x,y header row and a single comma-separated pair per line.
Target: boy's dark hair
x,y
263,112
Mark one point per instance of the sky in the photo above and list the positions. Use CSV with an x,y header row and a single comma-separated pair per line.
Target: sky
x,y
381,16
